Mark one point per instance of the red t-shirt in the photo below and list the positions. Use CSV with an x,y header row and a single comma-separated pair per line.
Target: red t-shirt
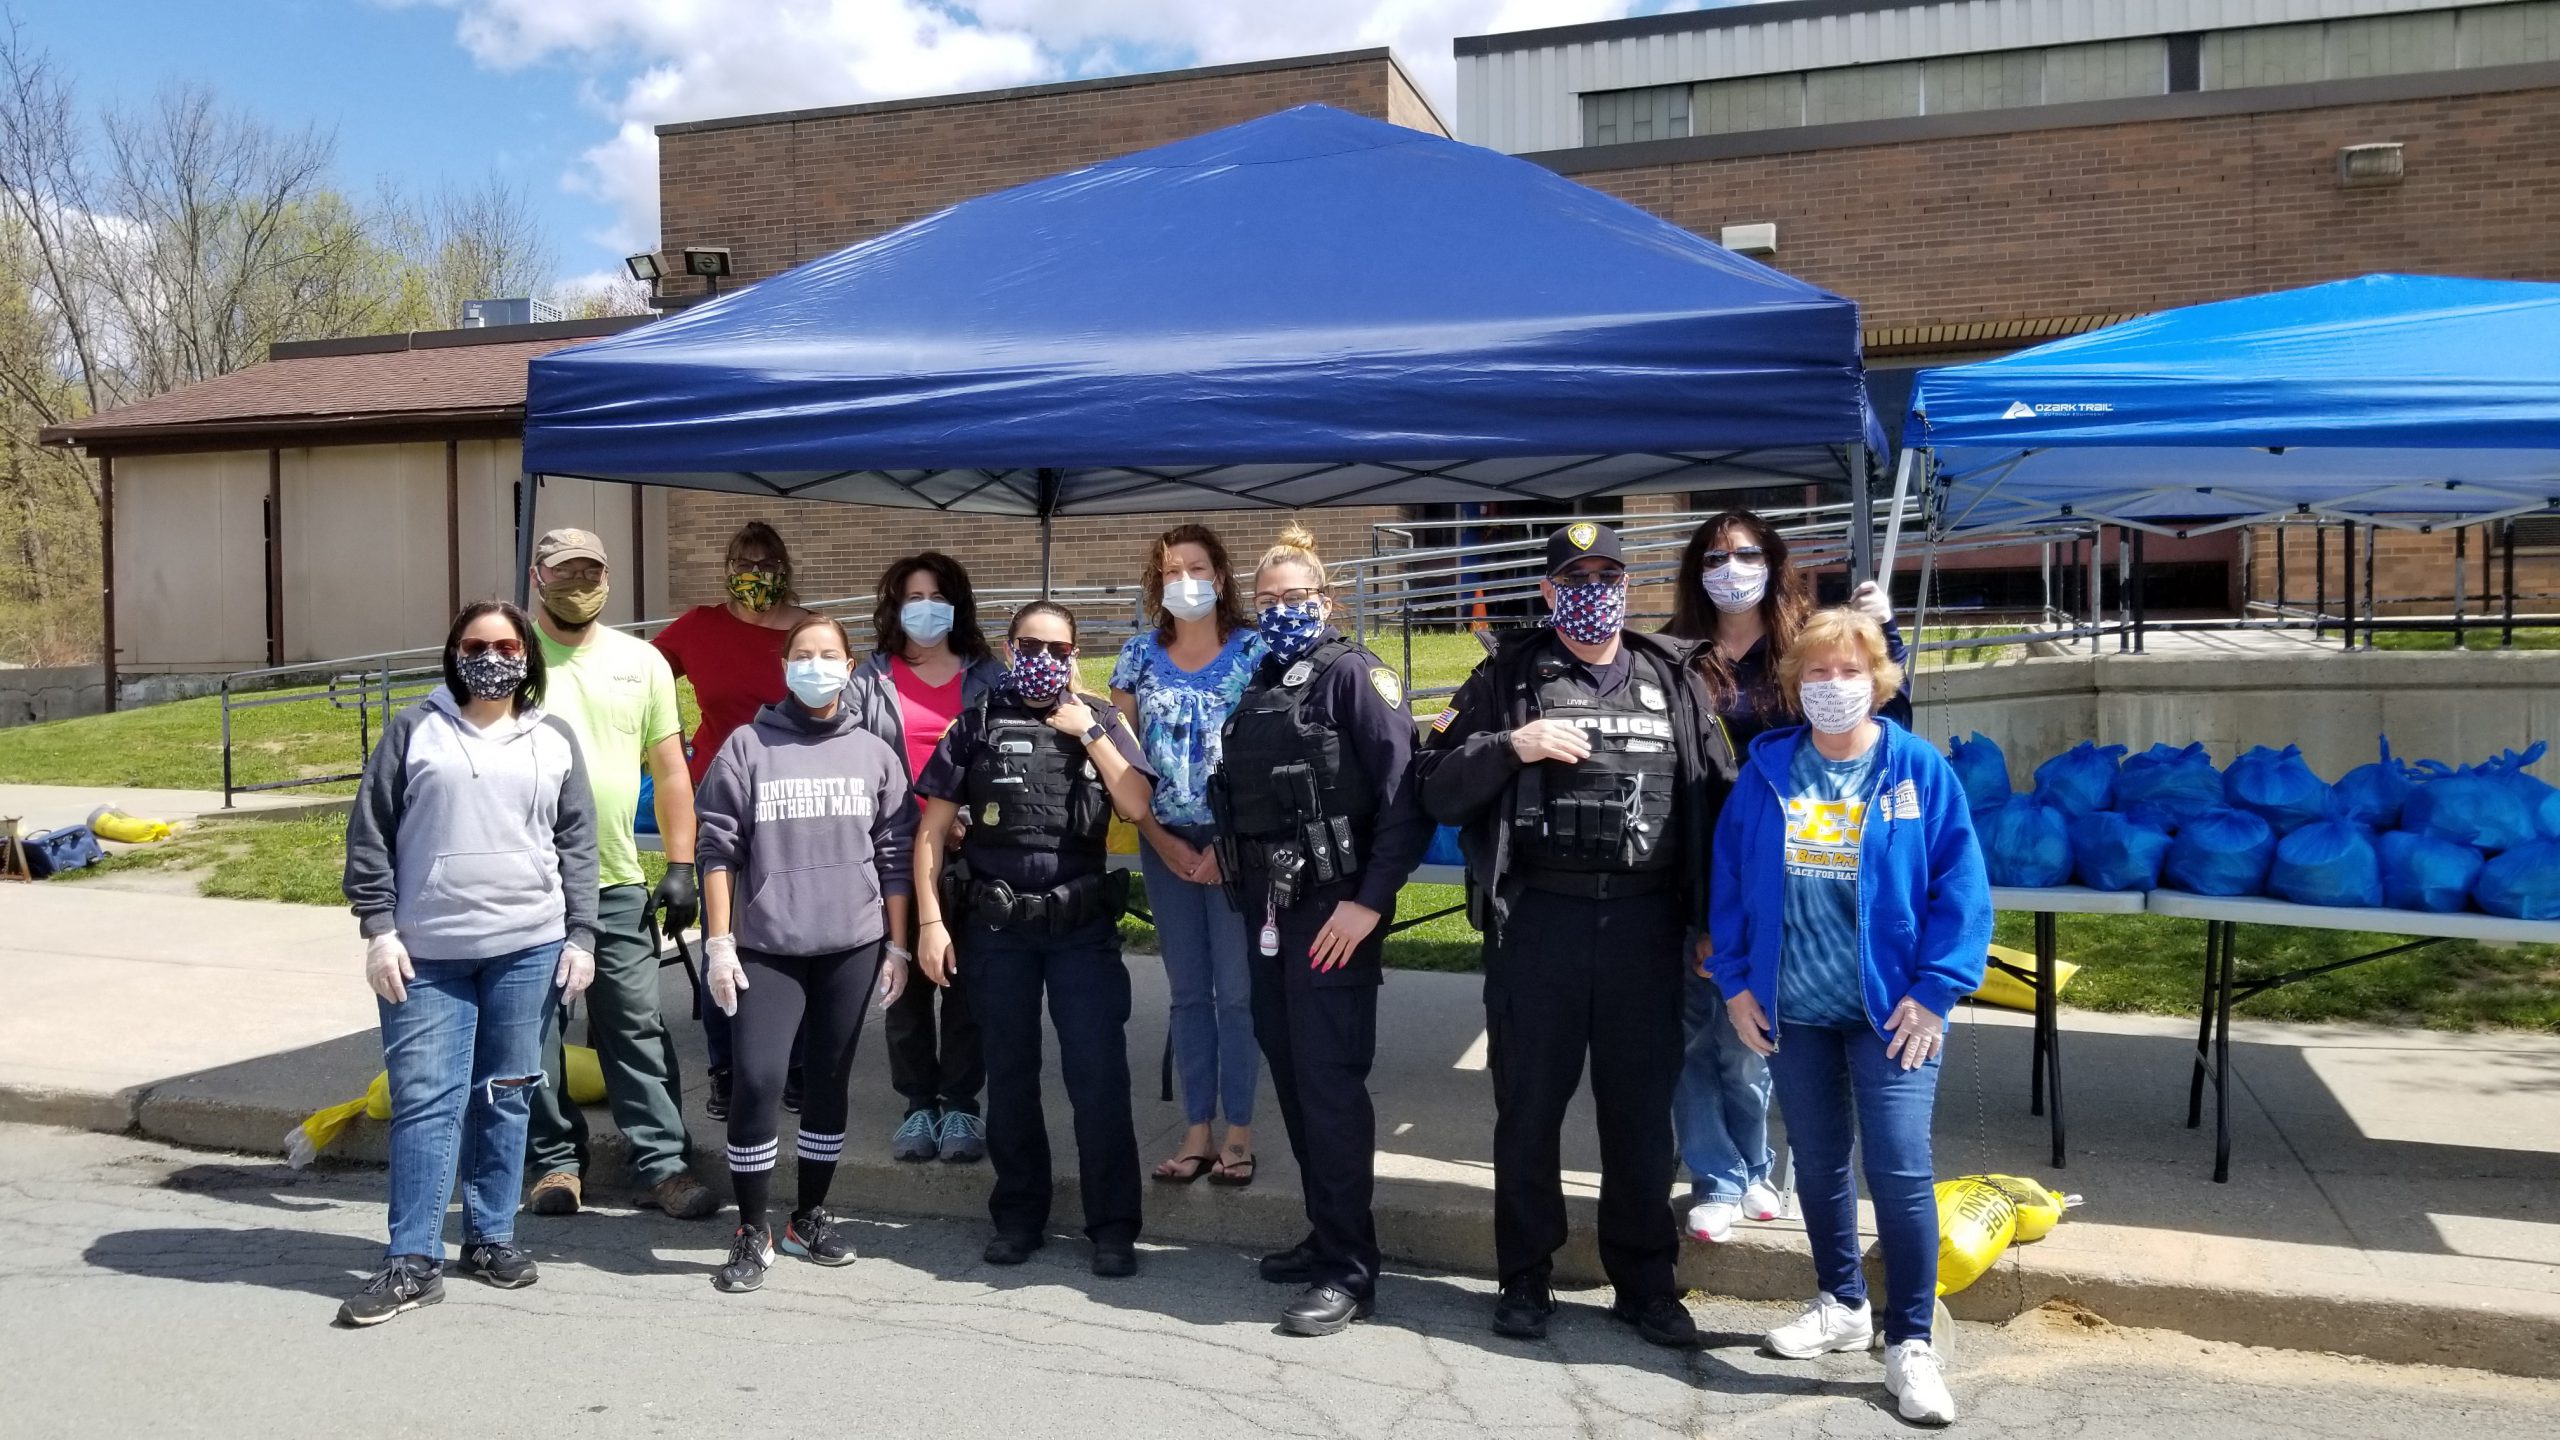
x,y
924,712
736,669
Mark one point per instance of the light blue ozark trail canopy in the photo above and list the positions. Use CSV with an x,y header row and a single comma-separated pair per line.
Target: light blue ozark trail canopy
x,y
2412,401
1312,308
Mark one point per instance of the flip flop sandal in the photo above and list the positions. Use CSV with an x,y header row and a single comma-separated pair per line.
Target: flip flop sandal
x,y
1233,1174
1189,1168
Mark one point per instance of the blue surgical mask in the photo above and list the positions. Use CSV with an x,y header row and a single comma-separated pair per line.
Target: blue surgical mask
x,y
925,621
816,682
1292,630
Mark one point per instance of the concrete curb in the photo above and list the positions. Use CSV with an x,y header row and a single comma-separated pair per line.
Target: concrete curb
x,y
1427,1227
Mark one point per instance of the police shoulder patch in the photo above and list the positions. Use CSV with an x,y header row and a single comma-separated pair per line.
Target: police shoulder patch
x,y
1442,721
1297,674
1389,688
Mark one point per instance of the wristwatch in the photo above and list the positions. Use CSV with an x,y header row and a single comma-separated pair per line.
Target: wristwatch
x,y
1095,732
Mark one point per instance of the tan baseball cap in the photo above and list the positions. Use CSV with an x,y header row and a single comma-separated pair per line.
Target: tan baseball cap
x,y
562,545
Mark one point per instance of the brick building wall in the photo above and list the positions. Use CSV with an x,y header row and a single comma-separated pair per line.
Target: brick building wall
x,y
2420,568
780,190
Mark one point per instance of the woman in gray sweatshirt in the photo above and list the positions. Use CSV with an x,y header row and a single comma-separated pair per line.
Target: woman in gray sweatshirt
x,y
804,848
471,866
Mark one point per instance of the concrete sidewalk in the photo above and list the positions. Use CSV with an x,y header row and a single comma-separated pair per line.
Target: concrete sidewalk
x,y
2394,1194
50,807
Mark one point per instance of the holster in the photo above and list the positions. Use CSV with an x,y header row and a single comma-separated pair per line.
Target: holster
x,y
997,905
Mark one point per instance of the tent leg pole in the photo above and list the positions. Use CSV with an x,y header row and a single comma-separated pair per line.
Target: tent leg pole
x,y
2461,580
1047,574
2347,565
1862,518
528,487
2284,539
2124,591
2371,610
2507,561
2095,573
2319,579
2138,597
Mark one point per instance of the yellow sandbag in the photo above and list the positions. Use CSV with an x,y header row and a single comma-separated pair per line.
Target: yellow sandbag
x,y
377,1097
109,823
1123,839
1976,1222
586,1075
321,1129
2039,1209
2007,991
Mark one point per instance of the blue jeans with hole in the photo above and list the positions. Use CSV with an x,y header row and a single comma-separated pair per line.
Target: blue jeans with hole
x,y
1721,1109
1840,1092
464,1052
1207,966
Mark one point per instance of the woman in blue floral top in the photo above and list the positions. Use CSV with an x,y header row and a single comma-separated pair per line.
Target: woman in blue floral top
x,y
1177,683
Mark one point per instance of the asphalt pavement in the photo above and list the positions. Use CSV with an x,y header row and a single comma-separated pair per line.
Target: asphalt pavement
x,y
150,1290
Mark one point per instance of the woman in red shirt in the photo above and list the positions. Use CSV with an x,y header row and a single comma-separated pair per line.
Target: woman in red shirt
x,y
732,652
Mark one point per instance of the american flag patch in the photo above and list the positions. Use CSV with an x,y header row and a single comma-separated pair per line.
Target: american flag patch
x,y
1441,721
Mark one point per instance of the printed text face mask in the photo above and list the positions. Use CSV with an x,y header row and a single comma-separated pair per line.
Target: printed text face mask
x,y
1190,597
1836,707
1736,587
815,682
1591,612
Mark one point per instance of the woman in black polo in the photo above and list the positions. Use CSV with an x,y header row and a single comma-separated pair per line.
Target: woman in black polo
x,y
1036,771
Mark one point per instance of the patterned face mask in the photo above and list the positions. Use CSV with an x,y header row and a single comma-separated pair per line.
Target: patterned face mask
x,y
1736,587
1292,630
756,590
1037,676
1591,612
490,675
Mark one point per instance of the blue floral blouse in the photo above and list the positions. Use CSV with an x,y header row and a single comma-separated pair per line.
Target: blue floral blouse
x,y
1182,715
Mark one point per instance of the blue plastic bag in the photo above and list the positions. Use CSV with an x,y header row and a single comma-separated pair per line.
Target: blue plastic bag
x,y
1982,770
2541,799
2277,786
2221,852
2025,842
646,822
2110,851
1444,848
2082,779
2523,884
2422,872
2477,805
2167,787
2327,862
2373,794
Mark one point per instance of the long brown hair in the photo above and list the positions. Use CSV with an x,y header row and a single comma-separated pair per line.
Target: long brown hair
x,y
889,633
1782,609
1230,612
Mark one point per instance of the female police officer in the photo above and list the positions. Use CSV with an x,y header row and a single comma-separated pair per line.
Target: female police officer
x,y
1321,830
1039,775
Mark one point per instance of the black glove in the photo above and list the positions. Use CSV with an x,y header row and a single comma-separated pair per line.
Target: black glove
x,y
677,894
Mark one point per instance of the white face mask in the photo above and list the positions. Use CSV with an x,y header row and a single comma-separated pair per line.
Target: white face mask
x,y
1736,587
815,682
925,621
1190,597
1836,707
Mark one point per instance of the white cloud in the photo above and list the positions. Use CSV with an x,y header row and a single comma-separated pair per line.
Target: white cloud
x,y
651,62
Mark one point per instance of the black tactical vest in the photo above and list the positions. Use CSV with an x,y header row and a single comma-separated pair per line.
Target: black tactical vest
x,y
1032,788
1613,811
1276,759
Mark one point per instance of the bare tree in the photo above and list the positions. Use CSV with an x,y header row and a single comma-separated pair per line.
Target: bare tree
x,y
44,189
476,242
602,295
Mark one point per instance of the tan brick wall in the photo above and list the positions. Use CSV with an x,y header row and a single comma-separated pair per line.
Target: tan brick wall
x,y
2405,563
789,190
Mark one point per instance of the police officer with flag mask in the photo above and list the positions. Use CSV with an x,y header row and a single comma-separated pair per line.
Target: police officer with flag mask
x,y
1319,828
1586,770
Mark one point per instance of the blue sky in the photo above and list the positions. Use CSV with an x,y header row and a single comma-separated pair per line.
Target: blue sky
x,y
560,95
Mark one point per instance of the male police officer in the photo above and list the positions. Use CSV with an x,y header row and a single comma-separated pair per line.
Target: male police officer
x,y
1586,770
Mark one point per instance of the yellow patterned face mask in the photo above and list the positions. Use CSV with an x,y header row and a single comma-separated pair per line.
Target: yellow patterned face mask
x,y
757,590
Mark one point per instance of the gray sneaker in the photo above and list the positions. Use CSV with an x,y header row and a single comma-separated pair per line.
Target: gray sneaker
x,y
919,1138
964,1138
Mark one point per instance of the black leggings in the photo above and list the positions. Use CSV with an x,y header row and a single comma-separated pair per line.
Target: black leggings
x,y
833,992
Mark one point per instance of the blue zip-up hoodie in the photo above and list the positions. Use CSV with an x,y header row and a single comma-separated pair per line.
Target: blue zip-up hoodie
x,y
1924,899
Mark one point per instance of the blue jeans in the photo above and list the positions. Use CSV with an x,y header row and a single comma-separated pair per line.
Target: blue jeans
x,y
1207,966
1839,1090
465,1054
1722,1105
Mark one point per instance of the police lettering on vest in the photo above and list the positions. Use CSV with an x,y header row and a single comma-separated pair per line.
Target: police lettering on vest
x,y
1611,812
1032,788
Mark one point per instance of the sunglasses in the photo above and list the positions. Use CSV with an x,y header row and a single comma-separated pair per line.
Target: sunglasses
x,y
1748,555
1264,599
1611,575
1055,649
474,649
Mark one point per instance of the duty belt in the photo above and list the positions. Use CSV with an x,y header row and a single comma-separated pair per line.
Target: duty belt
x,y
996,905
1597,884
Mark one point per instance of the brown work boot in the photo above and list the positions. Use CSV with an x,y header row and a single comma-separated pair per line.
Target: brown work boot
x,y
557,1193
683,1197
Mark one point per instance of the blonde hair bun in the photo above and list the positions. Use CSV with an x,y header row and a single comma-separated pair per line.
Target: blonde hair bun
x,y
1296,546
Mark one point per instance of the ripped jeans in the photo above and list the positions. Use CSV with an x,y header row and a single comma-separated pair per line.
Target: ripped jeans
x,y
463,1051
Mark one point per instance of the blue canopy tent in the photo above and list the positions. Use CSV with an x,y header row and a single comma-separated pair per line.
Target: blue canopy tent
x,y
2406,401
1308,309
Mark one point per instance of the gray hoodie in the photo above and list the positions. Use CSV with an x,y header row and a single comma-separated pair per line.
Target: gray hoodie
x,y
812,820
473,843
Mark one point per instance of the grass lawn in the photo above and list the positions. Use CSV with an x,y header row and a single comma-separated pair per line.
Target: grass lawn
x,y
2477,639
297,861
178,746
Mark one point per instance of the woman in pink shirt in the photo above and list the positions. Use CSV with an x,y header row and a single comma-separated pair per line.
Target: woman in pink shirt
x,y
931,663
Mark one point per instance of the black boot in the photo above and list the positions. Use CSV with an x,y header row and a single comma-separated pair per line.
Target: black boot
x,y
1523,1310
1324,1310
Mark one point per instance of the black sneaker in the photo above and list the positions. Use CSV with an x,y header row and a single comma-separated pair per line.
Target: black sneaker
x,y
716,1104
499,1263
1663,1320
1012,1249
1523,1310
791,1092
1293,1266
403,1284
1115,1259
812,1235
750,1255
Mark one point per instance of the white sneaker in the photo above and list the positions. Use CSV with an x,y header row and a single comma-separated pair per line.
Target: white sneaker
x,y
1912,1378
1713,1221
1762,1203
1826,1325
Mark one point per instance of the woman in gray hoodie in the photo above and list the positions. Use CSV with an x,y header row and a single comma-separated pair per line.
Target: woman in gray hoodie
x,y
471,866
804,845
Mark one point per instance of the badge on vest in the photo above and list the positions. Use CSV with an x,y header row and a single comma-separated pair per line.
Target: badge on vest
x,y
1650,696
988,816
1389,688
1298,673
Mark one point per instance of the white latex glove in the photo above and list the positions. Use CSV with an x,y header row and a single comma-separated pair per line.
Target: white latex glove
x,y
576,971
722,975
1871,601
387,968
1918,1034
893,975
